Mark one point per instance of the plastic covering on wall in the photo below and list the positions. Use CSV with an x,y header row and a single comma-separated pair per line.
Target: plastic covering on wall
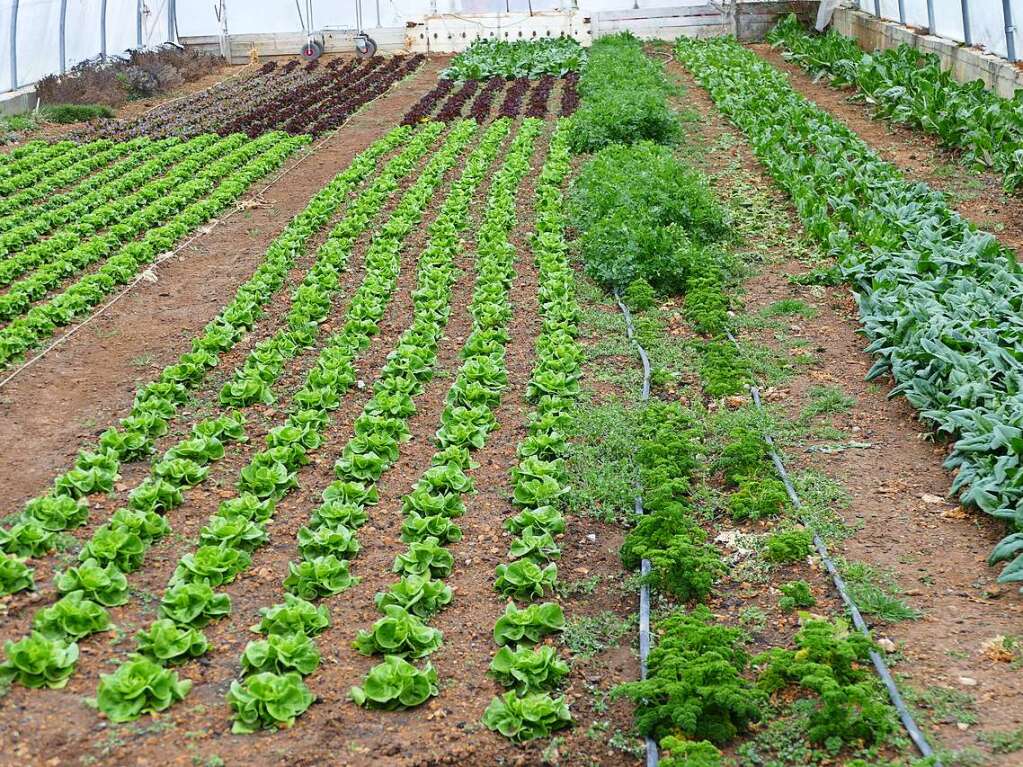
x,y
986,24
31,32
198,17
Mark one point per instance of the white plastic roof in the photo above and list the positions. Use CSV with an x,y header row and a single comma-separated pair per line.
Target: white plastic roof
x,y
41,37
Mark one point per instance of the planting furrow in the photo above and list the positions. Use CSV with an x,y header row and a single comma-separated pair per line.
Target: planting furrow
x,y
153,409
328,540
98,223
188,209
122,543
938,299
436,498
189,601
531,671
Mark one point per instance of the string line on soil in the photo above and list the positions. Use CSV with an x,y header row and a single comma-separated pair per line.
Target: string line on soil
x,y
915,734
652,758
146,274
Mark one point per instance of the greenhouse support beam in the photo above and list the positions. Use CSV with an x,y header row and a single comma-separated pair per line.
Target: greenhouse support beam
x,y
967,36
62,31
1010,30
14,46
877,8
902,12
930,17
138,24
103,30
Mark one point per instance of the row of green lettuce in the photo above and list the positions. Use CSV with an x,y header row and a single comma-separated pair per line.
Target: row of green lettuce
x,y
99,219
273,668
906,86
192,598
162,223
62,196
939,299
117,548
36,531
530,670
403,635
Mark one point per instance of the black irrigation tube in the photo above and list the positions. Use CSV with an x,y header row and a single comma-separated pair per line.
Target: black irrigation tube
x,y
915,734
652,758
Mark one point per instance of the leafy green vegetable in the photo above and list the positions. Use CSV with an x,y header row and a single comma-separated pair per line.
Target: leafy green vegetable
x,y
519,58
39,661
528,669
623,97
425,557
318,577
138,687
796,594
103,584
267,700
167,642
400,633
27,539
529,624
417,594
695,684
525,579
395,683
294,615
15,575
71,617
194,604
535,715
788,546
281,653
56,512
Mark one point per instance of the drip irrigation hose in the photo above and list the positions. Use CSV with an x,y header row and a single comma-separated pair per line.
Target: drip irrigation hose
x,y
652,757
915,734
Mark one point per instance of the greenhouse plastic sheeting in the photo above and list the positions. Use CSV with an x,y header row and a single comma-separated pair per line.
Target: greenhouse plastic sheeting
x,y
91,28
197,17
987,21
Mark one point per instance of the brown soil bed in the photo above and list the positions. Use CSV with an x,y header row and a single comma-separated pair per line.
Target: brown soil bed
x,y
48,415
900,519
70,396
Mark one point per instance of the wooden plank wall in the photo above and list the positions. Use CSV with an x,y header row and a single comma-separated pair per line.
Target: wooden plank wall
x,y
749,21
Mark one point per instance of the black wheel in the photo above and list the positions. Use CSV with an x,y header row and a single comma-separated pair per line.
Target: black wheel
x,y
311,51
365,46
